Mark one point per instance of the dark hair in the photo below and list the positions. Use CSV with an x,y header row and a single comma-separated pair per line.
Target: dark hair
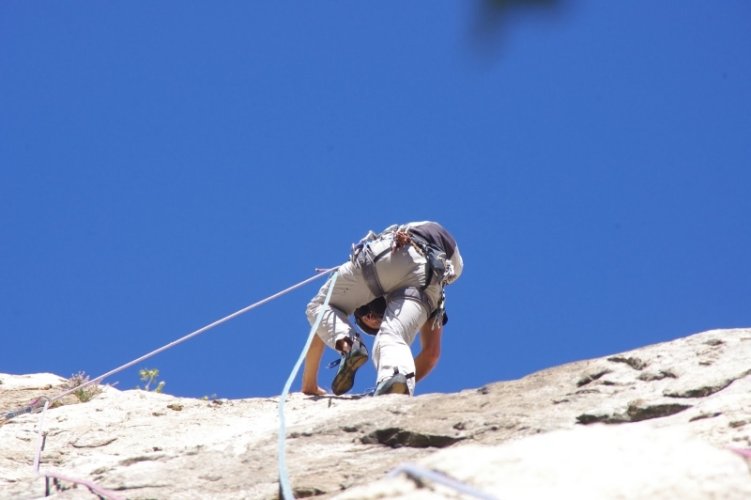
x,y
376,306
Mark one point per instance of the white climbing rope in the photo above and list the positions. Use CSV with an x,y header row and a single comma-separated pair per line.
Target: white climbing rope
x,y
41,436
47,474
195,333
48,401
416,471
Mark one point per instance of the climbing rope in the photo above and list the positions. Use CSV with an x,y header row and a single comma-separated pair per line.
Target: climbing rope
x,y
41,437
93,487
284,483
28,409
34,405
56,476
417,472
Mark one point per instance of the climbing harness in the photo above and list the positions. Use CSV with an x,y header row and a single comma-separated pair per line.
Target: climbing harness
x,y
435,259
367,252
365,257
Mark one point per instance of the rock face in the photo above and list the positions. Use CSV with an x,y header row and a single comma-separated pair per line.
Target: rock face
x,y
666,421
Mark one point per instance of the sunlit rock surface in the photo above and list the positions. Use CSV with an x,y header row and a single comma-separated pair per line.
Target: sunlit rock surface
x,y
665,421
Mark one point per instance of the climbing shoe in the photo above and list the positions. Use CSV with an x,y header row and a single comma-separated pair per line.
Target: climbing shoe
x,y
348,365
396,384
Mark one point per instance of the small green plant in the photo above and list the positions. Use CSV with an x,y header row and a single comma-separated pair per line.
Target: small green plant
x,y
148,377
83,394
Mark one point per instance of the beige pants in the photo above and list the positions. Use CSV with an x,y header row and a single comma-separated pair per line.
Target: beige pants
x,y
398,272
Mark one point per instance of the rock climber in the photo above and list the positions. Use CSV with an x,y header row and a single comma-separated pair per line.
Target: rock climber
x,y
408,266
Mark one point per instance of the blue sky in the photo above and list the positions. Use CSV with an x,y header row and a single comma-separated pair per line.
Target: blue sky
x,y
164,164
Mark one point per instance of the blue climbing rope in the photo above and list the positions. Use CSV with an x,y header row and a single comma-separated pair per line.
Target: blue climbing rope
x,y
283,475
